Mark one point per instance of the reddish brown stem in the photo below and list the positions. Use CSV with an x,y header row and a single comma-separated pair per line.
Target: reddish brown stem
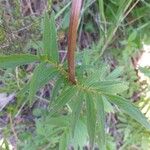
x,y
72,36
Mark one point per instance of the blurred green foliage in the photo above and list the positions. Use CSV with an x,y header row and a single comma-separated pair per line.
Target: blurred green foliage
x,y
119,34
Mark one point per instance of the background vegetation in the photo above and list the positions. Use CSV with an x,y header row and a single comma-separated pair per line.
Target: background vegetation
x,y
110,41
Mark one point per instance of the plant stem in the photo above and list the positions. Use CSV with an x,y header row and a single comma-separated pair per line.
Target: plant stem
x,y
72,36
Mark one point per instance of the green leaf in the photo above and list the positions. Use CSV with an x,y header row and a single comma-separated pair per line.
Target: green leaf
x,y
132,36
112,86
103,71
80,135
42,74
63,98
107,106
76,110
63,142
60,121
91,118
101,10
17,60
115,73
50,38
101,122
56,88
130,109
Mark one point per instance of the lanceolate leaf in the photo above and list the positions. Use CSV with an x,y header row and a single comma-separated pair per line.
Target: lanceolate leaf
x,y
76,110
56,88
50,38
91,118
17,60
115,73
111,87
101,122
63,142
63,98
41,76
61,121
130,109
80,135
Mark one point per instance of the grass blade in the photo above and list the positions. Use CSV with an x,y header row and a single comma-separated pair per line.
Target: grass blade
x,y
124,5
101,10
